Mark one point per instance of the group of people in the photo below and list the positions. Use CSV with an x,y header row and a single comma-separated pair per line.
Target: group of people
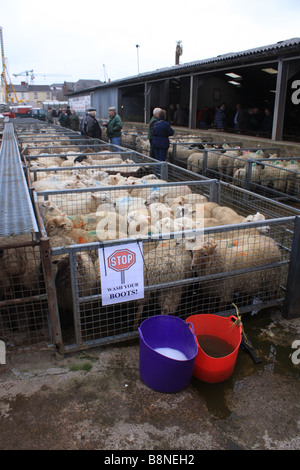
x,y
89,126
66,118
251,119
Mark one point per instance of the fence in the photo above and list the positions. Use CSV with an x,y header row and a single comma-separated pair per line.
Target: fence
x,y
275,177
247,277
186,270
27,316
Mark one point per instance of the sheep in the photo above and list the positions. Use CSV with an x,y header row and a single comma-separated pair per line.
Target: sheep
x,y
20,265
227,216
87,283
271,173
225,256
226,162
63,226
166,263
256,173
157,211
194,162
83,202
49,210
125,205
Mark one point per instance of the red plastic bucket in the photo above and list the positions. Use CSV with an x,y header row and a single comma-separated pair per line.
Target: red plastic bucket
x,y
216,369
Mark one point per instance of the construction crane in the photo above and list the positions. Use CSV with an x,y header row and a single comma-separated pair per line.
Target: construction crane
x,y
27,73
32,75
4,84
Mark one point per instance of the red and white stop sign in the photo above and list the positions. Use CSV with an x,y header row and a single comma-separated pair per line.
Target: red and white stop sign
x,y
121,260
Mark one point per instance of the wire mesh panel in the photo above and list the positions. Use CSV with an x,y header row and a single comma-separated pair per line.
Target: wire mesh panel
x,y
24,314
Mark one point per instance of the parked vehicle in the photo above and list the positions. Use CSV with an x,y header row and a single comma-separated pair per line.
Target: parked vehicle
x,y
38,113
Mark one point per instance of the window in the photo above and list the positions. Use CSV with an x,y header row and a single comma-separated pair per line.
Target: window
x,y
35,95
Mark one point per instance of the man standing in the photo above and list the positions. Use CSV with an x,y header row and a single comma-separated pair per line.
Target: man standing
x,y
64,119
89,126
114,126
74,121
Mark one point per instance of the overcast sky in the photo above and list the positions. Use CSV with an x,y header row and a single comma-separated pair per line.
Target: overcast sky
x,y
71,39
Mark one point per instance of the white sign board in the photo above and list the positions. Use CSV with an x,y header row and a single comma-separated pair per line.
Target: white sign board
x,y
122,273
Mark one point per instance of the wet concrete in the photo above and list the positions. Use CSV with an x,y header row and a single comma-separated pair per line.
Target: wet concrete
x,y
96,399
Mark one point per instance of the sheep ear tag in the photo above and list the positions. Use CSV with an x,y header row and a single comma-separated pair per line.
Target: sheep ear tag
x,y
121,273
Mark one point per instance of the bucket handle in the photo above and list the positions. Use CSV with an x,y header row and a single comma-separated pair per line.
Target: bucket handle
x,y
191,326
141,334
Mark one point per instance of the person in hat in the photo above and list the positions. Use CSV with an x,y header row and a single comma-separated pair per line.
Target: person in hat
x,y
114,126
89,126
63,119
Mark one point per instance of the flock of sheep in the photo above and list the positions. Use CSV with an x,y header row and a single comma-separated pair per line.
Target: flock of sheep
x,y
112,205
270,171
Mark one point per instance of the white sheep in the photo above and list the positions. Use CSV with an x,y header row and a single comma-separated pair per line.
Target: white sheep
x,y
166,263
225,256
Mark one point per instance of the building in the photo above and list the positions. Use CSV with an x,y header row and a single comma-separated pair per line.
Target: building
x,y
33,95
266,76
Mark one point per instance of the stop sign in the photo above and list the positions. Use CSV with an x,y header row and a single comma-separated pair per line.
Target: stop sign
x,y
121,260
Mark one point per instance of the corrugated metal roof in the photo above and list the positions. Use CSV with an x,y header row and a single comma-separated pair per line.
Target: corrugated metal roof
x,y
278,46
16,211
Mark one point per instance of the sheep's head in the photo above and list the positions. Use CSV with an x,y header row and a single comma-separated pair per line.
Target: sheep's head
x,y
202,255
46,208
57,225
257,218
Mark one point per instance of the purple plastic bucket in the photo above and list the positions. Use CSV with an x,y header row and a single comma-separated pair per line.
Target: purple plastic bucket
x,y
168,351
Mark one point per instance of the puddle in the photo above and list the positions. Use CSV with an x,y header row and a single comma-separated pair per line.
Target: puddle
x,y
272,344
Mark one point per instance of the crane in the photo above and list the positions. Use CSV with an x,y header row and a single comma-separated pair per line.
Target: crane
x,y
32,75
4,84
26,73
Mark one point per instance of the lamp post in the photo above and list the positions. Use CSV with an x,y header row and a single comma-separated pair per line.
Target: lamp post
x,y
137,51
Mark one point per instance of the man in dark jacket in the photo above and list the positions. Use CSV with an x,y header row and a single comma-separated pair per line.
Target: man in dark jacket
x,y
74,121
64,119
89,126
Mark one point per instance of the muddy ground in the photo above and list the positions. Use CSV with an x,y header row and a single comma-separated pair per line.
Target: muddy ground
x,y
96,400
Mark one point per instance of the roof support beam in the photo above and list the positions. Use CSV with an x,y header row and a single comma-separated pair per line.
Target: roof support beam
x,y
280,99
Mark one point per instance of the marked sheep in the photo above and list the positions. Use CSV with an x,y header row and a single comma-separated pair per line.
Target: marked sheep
x,y
227,255
63,226
166,263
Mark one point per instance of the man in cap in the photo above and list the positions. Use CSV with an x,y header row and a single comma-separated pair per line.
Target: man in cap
x,y
114,126
89,126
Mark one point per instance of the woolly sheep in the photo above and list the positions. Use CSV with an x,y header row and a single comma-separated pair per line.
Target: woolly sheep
x,y
224,256
63,226
22,263
87,283
166,263
226,162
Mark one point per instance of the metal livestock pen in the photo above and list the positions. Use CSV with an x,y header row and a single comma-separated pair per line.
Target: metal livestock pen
x,y
275,177
174,282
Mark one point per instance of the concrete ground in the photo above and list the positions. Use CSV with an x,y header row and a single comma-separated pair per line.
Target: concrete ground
x,y
96,400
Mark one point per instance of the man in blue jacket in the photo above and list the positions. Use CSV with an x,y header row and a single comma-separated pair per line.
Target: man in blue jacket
x,y
162,130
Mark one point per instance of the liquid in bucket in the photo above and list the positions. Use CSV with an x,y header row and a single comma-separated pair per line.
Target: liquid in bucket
x,y
172,353
214,346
